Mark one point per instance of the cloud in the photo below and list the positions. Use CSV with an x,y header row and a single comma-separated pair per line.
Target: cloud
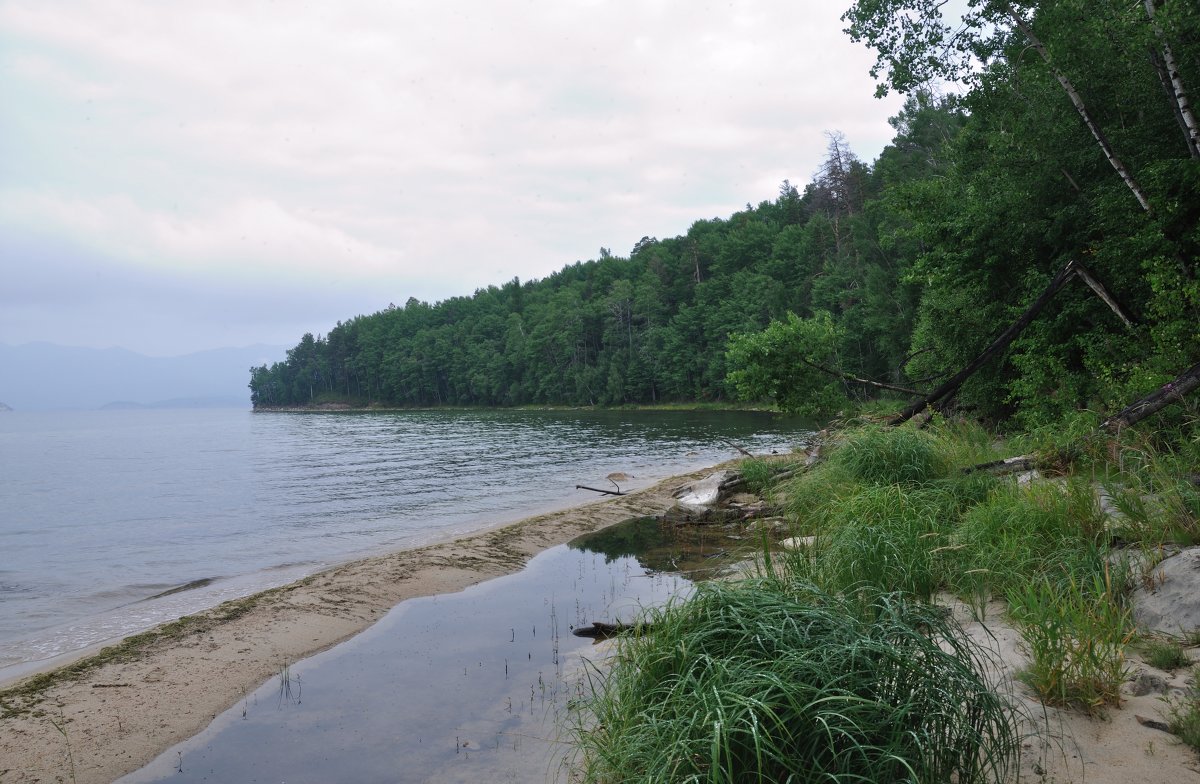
x,y
250,238
432,147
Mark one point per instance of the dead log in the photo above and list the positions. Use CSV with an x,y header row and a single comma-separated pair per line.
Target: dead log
x,y
856,380
744,451
1171,392
1009,465
1096,286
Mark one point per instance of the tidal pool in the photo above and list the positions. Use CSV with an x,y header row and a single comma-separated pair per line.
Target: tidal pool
x,y
463,687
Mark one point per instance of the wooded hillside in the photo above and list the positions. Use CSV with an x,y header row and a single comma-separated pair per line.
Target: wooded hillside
x,y
1071,137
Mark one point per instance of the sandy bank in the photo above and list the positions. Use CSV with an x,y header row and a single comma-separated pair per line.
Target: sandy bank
x,y
131,702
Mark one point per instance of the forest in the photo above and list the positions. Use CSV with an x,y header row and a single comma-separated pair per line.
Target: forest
x,y
1034,135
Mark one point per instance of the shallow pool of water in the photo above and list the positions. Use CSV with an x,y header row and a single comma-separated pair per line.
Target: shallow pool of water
x,y
463,687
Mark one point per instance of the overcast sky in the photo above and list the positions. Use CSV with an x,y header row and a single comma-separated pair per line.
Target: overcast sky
x,y
176,176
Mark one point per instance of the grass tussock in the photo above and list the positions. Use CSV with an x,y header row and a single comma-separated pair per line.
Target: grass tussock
x,y
890,456
770,682
1165,654
1075,630
882,539
1022,531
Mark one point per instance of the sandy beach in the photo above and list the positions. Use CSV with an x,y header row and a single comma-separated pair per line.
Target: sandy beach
x,y
111,713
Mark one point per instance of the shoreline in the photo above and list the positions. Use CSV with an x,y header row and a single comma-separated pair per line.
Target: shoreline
x,y
108,714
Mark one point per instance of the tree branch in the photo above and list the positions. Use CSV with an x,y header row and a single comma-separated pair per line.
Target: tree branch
x,y
855,379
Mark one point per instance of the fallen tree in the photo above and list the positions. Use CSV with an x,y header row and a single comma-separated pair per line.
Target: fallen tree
x,y
1171,392
940,396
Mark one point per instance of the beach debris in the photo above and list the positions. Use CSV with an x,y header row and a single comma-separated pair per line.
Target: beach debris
x,y
614,477
599,490
705,492
1153,724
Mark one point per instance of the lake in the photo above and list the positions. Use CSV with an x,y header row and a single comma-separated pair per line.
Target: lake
x,y
106,514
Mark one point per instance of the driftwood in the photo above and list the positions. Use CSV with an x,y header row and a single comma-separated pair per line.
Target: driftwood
x,y
938,397
743,450
679,515
618,491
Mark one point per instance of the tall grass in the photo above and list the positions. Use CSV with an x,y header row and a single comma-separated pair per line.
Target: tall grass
x,y
762,682
1020,532
883,539
1154,493
1183,715
1075,629
890,456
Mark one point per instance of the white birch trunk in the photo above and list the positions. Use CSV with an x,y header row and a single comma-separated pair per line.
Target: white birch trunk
x,y
1080,107
1191,127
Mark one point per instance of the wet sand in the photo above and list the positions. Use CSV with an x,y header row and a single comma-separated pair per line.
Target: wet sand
x,y
125,706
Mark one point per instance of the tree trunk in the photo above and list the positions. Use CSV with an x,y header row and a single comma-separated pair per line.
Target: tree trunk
x,y
951,386
1191,128
1162,397
856,380
1081,107
1101,292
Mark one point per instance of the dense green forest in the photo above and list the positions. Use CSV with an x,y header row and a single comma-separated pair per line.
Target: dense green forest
x,y
1065,134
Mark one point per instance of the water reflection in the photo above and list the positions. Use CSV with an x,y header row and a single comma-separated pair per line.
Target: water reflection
x,y
700,552
465,687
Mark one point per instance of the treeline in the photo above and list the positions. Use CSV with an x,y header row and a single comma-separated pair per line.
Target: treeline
x,y
648,327
898,271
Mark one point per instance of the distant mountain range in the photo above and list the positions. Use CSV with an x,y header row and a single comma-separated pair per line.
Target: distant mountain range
x,y
43,376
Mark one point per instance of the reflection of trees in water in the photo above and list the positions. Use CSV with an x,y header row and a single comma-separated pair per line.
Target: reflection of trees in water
x,y
698,551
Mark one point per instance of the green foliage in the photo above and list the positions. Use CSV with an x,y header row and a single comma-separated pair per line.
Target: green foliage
x,y
780,364
761,682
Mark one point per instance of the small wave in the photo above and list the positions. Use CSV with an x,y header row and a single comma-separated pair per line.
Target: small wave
x,y
203,581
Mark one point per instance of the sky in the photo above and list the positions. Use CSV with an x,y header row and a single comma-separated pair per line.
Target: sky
x,y
181,176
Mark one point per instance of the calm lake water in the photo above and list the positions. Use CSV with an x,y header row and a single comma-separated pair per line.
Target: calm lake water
x,y
103,511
